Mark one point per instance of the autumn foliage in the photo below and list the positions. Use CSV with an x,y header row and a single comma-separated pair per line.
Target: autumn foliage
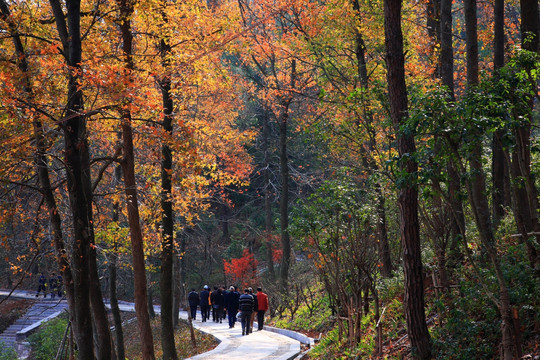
x,y
242,270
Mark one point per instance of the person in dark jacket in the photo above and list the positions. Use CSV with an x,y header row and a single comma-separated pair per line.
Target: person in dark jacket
x,y
42,285
205,303
255,308
231,304
246,305
216,298
193,300
53,285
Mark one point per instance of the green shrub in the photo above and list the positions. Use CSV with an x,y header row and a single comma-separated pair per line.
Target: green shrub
x,y
46,342
7,352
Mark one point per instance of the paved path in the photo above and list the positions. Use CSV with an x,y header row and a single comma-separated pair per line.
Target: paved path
x,y
258,345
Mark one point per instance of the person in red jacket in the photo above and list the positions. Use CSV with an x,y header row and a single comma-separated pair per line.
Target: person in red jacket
x,y
262,307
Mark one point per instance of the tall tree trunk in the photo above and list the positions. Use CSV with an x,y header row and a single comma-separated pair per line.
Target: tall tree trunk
x,y
77,162
454,186
42,164
167,217
284,168
128,169
115,308
177,292
267,193
530,40
499,164
408,193
477,190
284,201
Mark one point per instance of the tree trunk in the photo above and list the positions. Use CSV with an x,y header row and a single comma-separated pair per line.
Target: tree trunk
x,y
115,309
284,168
128,169
284,201
408,193
78,175
530,40
265,125
42,166
499,165
167,219
477,189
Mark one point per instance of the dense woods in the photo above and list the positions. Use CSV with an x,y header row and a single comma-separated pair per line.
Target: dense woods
x,y
372,164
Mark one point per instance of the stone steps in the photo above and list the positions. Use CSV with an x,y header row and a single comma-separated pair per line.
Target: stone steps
x,y
26,324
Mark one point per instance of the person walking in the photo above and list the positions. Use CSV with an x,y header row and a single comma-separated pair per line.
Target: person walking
x,y
60,284
53,285
231,304
205,303
262,307
42,285
254,313
216,298
193,300
246,304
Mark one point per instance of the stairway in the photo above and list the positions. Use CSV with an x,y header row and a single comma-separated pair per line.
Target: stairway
x,y
41,311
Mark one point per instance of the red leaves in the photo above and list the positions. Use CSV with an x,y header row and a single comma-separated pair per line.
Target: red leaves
x,y
242,270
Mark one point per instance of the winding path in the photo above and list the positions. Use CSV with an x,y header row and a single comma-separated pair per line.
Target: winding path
x,y
270,343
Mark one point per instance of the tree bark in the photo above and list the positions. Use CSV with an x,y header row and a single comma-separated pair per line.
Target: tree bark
x,y
167,218
267,193
284,201
284,168
115,308
78,175
499,166
128,169
408,193
42,165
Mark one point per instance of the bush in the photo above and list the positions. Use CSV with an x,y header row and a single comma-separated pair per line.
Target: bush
x,y
46,342
7,352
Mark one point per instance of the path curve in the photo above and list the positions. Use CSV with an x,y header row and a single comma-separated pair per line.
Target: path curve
x,y
262,344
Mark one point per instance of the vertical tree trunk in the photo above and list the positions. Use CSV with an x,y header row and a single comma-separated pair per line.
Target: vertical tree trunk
x,y
477,190
284,168
267,193
42,165
408,193
78,175
128,169
284,201
115,308
167,218
530,40
454,187
499,165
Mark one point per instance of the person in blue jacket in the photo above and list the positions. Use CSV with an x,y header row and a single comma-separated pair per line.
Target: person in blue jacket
x,y
193,300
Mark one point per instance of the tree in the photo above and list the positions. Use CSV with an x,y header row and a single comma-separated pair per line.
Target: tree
x,y
408,192
128,171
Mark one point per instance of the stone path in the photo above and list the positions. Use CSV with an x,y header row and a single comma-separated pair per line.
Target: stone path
x,y
263,344
271,343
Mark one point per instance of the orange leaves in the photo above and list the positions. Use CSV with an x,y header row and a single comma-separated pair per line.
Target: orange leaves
x,y
242,270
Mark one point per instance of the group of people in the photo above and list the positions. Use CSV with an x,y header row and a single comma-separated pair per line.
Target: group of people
x,y
230,303
53,285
